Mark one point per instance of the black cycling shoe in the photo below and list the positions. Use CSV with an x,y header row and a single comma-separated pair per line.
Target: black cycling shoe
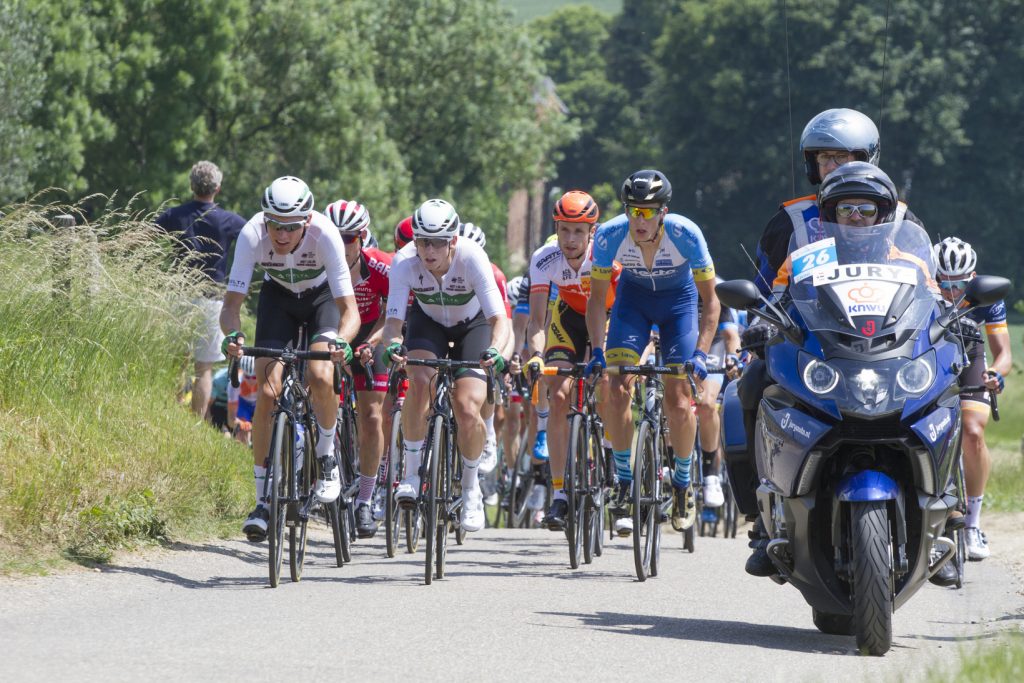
x,y
555,519
946,576
759,564
366,525
255,527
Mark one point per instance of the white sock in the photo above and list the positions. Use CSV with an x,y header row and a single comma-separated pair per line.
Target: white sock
x,y
974,511
413,450
470,473
489,426
259,475
325,446
542,420
560,494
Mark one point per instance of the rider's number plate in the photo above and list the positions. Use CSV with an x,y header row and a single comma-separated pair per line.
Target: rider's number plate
x,y
815,255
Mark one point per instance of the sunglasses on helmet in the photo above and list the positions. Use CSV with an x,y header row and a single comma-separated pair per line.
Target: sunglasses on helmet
x,y
432,242
865,210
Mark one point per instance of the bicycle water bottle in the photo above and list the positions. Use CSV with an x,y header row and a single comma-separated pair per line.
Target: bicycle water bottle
x,y
300,446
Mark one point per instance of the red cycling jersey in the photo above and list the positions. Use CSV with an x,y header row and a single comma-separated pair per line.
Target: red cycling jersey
x,y
499,278
371,288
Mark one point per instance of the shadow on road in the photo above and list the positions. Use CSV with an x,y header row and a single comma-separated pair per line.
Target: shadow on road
x,y
808,641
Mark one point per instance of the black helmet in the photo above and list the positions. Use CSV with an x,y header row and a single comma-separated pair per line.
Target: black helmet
x,y
857,179
840,130
646,187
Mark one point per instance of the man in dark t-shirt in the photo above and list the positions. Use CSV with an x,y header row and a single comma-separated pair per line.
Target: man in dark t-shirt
x,y
206,232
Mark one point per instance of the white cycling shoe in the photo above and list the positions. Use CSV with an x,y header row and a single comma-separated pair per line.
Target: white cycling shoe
x,y
714,497
405,494
538,496
623,526
471,517
489,456
328,487
977,544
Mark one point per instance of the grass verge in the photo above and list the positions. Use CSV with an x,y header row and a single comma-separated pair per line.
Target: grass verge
x,y
95,453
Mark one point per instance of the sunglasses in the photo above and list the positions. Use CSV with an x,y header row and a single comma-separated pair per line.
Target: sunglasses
x,y
642,211
432,242
290,226
349,238
953,284
865,210
837,158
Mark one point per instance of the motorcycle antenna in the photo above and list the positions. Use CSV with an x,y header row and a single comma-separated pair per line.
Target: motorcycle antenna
x,y
789,97
885,52
768,285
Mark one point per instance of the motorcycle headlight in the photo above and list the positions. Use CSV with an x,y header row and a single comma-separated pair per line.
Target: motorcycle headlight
x,y
870,388
917,375
820,377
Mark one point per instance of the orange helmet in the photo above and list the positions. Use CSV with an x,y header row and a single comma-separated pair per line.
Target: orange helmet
x,y
576,206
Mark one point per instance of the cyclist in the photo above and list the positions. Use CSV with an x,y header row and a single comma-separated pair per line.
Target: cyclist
x,y
724,354
456,301
368,267
665,265
305,281
242,401
567,265
956,262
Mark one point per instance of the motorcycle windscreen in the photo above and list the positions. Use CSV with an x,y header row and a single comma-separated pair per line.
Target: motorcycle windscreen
x,y
865,281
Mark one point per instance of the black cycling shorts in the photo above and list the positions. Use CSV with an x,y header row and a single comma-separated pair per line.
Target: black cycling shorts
x,y
280,313
466,340
974,375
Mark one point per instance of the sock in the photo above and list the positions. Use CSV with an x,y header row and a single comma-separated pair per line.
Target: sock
x,y
542,420
413,450
622,466
470,473
974,510
557,482
681,475
366,486
325,446
259,475
605,443
560,494
489,426
709,463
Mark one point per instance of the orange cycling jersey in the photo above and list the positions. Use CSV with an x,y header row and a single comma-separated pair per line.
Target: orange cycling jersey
x,y
550,267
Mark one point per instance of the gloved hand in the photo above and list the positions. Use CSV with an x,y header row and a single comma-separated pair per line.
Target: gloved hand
x,y
338,344
1000,382
698,364
365,353
534,366
596,361
755,337
235,337
493,354
394,349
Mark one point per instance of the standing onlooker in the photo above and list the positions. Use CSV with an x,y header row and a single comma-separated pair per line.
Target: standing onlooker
x,y
206,231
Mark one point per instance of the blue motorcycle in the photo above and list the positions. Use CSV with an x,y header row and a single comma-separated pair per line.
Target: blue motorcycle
x,y
857,438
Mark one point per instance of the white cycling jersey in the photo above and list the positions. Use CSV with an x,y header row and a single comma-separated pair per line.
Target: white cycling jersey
x,y
319,258
467,288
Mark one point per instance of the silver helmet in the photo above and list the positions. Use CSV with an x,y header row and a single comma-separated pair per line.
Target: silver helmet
x,y
841,130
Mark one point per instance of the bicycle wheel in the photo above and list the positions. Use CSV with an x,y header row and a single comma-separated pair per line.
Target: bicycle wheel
x,y
600,497
455,488
445,496
393,474
304,465
334,521
280,449
961,531
646,499
346,449
575,489
730,513
520,487
431,495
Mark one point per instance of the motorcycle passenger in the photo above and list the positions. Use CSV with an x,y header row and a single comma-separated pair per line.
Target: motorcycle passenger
x,y
665,265
956,262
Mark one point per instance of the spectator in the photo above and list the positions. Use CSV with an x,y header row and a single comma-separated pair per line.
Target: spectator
x,y
206,232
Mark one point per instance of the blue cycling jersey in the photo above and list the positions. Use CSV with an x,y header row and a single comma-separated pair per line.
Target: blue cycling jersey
x,y
681,257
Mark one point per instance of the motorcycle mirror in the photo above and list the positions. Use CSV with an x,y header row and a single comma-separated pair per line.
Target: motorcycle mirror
x,y
985,290
738,294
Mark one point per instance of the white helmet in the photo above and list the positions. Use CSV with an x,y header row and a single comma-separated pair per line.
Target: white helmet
x,y
435,218
954,257
517,289
288,196
248,365
473,233
349,216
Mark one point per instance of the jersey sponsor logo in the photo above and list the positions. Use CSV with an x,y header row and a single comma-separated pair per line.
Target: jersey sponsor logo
x,y
705,273
548,259
663,263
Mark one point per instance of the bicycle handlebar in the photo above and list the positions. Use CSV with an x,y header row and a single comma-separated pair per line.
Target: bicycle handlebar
x,y
288,356
451,364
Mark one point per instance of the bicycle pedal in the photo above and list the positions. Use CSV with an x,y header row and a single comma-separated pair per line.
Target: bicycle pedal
x,y
956,523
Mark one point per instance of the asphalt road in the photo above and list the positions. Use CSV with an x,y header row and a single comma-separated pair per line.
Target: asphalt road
x,y
509,609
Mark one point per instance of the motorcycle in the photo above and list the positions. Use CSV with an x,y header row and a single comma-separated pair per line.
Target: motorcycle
x,y
856,440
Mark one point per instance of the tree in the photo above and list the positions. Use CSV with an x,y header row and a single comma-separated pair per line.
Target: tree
x,y
21,84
